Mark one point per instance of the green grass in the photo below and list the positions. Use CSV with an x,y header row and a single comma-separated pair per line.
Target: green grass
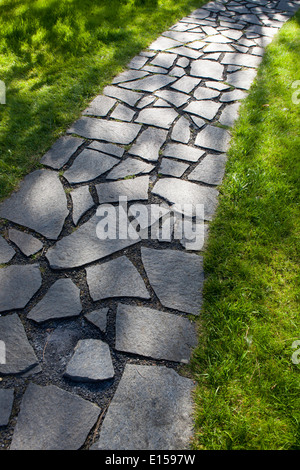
x,y
55,56
248,389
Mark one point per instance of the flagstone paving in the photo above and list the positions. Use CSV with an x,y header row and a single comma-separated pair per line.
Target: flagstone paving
x,y
99,283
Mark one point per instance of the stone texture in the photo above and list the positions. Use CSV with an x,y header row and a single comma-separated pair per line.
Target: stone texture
x,y
202,93
116,278
134,189
91,362
100,106
175,98
6,403
28,244
61,151
128,96
162,44
20,356
150,84
213,137
182,152
241,79
157,416
123,113
130,75
98,318
83,247
229,114
39,204
233,96
110,131
110,149
149,143
176,277
88,165
163,60
151,333
6,251
130,167
245,60
172,168
61,301
207,69
206,109
181,130
210,170
53,419
82,201
26,280
216,47
186,52
159,117
182,193
186,84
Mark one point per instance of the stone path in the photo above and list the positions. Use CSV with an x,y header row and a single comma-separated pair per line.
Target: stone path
x,y
93,331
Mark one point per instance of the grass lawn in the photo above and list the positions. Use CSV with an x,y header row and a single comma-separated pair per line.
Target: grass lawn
x,y
55,56
248,392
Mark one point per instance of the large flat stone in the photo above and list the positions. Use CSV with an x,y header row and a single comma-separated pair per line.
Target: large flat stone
x,y
20,356
53,419
82,201
210,170
186,84
61,151
163,60
183,152
88,165
6,251
39,204
176,277
151,333
110,149
116,278
130,167
28,244
6,403
61,301
207,69
206,109
175,98
128,96
98,318
172,167
83,247
229,114
148,144
100,106
130,75
91,362
181,130
158,117
150,84
122,113
245,60
157,416
242,79
110,131
185,196
133,189
214,138
163,43
25,280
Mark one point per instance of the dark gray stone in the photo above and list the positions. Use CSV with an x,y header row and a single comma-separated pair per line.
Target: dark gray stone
x,y
172,168
183,152
203,93
91,362
176,277
98,318
241,79
149,143
150,84
164,60
245,60
28,244
129,75
61,301
61,152
229,114
123,113
26,280
158,117
157,416
88,165
206,109
110,149
20,356
82,202
130,167
53,419
213,137
116,278
6,251
100,106
134,189
181,130
175,98
186,84
6,403
151,333
39,204
128,96
210,170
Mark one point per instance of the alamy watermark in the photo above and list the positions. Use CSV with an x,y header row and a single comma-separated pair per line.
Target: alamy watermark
x,y
296,355
296,94
2,92
2,353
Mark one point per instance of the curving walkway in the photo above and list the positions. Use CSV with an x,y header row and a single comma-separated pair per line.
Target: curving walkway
x,y
94,330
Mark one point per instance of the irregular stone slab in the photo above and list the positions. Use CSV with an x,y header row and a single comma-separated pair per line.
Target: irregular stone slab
x,y
128,96
262,30
164,60
205,109
134,189
217,85
116,278
186,52
98,318
28,244
186,84
181,131
83,247
6,403
163,43
200,13
26,280
53,419
245,60
175,98
198,121
130,75
122,113
172,168
185,196
82,201
183,62
154,69
91,362
151,333
232,34
216,47
213,137
137,62
60,153
202,93
145,101
88,165
39,204
130,167
150,84
110,131
217,38
210,170
229,114
176,277
183,152
100,106
242,79
214,56
157,416
20,356
6,251
61,301
233,96
207,69
183,37
149,143
158,117
111,149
